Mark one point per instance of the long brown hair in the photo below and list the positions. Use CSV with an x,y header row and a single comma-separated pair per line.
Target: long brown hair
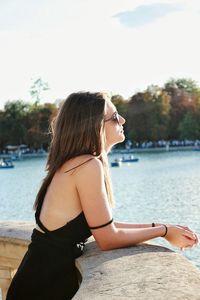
x,y
78,129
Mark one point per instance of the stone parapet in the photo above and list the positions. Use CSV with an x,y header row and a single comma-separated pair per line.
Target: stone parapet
x,y
141,272
14,240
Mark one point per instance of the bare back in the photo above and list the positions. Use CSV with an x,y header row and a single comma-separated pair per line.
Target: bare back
x,y
62,203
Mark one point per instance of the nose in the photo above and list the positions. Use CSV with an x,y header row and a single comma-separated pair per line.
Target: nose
x,y
121,120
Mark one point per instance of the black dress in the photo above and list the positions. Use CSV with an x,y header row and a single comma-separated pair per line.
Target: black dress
x,y
47,271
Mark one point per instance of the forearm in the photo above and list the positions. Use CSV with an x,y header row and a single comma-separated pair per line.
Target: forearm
x,y
176,235
124,237
130,225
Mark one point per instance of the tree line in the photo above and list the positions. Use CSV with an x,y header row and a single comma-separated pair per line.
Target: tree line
x,y
23,123
171,112
158,113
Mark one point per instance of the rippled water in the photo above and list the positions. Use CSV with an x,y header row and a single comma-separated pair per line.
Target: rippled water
x,y
161,187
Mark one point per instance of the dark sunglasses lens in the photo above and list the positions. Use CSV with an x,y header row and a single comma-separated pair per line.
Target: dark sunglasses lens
x,y
116,117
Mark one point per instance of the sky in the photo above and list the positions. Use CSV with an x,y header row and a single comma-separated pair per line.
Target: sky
x,y
118,46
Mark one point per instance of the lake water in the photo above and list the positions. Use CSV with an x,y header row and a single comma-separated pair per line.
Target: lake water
x,y
162,187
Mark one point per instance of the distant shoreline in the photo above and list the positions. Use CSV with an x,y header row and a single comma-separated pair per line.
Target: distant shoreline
x,y
22,156
156,149
114,151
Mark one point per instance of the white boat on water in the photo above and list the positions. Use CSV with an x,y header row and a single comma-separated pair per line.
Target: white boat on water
x,y
118,161
6,164
131,158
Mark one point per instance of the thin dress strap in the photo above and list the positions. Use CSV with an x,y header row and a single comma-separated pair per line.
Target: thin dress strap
x,y
79,165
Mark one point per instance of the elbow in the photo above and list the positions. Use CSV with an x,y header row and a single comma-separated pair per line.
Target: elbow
x,y
106,247
108,244
108,240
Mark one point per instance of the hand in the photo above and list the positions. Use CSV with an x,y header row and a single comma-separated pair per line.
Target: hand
x,y
187,228
181,236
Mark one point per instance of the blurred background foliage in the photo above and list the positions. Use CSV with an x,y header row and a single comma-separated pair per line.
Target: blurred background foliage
x,y
171,112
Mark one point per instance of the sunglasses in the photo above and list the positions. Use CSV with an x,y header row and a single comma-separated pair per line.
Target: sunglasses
x,y
114,118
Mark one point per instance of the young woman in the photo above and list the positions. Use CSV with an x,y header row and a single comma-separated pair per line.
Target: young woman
x,y
75,202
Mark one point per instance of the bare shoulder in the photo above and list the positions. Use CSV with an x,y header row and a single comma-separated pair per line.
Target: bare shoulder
x,y
90,167
93,162
76,163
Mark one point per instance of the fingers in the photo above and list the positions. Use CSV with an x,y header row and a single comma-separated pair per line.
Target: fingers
x,y
185,227
187,232
187,247
182,237
191,239
189,235
197,239
188,242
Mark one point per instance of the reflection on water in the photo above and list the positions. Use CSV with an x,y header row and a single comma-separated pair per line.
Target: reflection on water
x,y
161,187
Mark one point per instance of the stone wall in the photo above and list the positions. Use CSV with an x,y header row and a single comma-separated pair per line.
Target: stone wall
x,y
142,272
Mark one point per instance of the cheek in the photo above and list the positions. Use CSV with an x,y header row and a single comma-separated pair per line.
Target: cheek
x,y
108,134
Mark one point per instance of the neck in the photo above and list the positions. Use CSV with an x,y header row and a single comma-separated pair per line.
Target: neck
x,y
108,149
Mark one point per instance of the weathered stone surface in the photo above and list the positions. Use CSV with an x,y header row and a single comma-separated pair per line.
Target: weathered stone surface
x,y
14,239
142,272
16,231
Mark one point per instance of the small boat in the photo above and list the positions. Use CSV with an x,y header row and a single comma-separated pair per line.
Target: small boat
x,y
130,159
6,164
116,163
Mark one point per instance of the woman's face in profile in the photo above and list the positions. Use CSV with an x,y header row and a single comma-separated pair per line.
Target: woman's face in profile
x,y
114,132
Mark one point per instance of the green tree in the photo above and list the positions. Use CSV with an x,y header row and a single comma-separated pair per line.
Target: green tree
x,y
189,127
13,121
186,84
37,88
184,95
23,123
39,119
148,115
3,132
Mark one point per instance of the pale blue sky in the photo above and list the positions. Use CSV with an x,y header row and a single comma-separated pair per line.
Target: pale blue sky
x,y
147,13
116,46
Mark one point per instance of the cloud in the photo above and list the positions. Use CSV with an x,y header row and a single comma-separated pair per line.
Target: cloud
x,y
145,14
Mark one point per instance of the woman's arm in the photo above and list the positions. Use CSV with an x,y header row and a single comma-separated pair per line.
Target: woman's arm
x,y
112,237
130,225
89,180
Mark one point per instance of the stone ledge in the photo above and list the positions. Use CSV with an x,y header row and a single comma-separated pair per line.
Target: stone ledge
x,y
16,231
142,272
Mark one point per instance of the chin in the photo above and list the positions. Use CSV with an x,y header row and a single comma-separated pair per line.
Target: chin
x,y
119,140
122,138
